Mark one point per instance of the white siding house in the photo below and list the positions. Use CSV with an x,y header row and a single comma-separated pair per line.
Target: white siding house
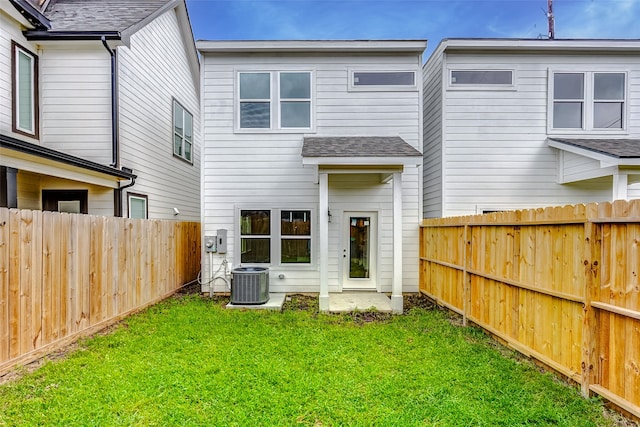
x,y
511,124
111,121
311,162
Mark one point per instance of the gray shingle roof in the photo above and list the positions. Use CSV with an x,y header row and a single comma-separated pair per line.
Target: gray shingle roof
x,y
619,148
358,146
99,15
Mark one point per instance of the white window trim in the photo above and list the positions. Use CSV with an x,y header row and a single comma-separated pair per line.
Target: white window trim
x,y
383,88
274,100
481,87
131,196
33,132
587,118
275,238
173,131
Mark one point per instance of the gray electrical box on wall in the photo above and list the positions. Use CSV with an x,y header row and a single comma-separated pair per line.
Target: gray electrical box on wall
x,y
210,243
222,241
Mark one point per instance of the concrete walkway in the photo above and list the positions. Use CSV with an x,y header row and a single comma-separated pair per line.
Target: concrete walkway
x,y
361,301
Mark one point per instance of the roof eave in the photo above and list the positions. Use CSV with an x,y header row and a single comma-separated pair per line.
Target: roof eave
x,y
363,161
39,35
47,153
606,160
32,14
556,45
303,46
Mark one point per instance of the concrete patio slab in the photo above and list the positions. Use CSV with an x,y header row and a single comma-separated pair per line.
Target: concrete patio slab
x,y
275,303
361,301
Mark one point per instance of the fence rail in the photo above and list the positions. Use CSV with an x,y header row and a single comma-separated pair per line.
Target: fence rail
x,y
66,275
560,285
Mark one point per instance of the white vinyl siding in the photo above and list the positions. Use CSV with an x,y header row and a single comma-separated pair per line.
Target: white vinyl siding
x,y
75,89
264,170
152,72
495,151
433,137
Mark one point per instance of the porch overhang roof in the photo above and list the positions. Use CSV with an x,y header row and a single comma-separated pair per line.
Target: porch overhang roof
x,y
608,151
359,151
38,159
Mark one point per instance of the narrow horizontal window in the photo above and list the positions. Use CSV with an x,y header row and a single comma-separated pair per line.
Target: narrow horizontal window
x,y
384,78
481,77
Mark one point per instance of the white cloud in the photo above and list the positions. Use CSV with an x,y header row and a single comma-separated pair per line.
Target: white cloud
x,y
598,19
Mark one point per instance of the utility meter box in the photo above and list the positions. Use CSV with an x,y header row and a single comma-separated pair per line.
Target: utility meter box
x,y
210,243
221,241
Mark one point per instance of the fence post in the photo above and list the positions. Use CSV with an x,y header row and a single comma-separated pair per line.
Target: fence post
x,y
466,278
592,261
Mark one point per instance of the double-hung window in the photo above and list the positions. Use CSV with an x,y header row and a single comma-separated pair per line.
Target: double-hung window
x,y
182,132
265,241
274,100
589,101
24,90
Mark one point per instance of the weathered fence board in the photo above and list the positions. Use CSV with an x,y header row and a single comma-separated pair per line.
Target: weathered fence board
x,y
558,284
64,276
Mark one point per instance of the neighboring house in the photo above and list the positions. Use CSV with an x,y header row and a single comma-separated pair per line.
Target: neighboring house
x,y
99,108
511,124
311,162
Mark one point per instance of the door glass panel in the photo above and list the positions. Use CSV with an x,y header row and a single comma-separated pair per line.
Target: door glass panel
x,y
359,248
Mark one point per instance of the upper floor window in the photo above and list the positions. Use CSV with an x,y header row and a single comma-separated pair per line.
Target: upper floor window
x,y
182,132
24,90
385,78
481,77
589,101
270,100
382,80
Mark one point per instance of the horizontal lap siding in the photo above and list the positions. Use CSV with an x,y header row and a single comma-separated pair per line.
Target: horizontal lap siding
x,y
432,148
495,145
75,102
264,170
153,71
10,30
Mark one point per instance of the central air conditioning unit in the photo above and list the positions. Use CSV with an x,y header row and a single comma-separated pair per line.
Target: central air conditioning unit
x,y
249,285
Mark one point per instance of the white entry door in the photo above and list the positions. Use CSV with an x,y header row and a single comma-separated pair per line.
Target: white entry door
x,y
359,250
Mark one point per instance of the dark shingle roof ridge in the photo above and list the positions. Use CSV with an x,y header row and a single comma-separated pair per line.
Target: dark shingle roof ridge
x,y
100,15
358,146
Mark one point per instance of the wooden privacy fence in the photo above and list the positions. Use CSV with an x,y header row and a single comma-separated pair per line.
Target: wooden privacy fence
x,y
559,284
65,275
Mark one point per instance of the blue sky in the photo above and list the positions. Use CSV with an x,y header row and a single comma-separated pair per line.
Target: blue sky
x,y
410,19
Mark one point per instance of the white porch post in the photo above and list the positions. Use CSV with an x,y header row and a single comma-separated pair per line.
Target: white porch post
x,y
620,184
323,180
396,286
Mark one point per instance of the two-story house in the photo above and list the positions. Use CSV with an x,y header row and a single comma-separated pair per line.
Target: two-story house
x,y
512,124
311,162
99,108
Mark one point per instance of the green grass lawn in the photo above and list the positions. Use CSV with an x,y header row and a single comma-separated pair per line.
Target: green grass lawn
x,y
187,361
